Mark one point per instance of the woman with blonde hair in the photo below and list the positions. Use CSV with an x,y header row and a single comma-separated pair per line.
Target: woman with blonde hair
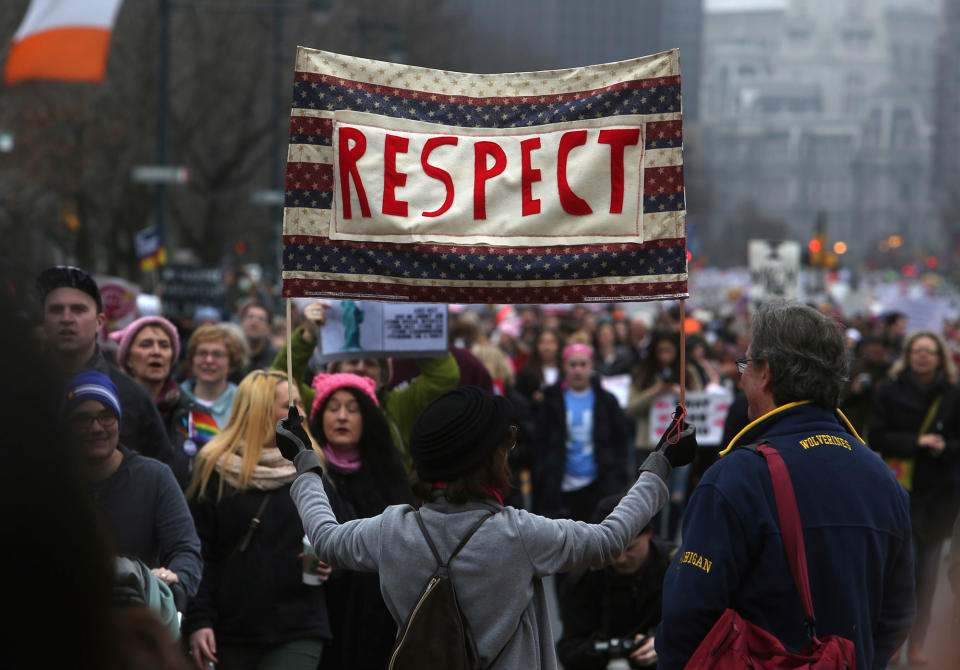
x,y
915,425
253,609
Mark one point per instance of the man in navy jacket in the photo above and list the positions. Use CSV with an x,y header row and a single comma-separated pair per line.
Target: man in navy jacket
x,y
855,516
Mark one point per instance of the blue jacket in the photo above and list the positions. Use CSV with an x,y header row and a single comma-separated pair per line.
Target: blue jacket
x,y
856,527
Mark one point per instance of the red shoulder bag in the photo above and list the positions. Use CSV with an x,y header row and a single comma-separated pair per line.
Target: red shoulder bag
x,y
735,644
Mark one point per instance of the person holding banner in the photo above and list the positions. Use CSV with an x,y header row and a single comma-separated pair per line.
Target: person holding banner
x,y
915,426
460,446
400,406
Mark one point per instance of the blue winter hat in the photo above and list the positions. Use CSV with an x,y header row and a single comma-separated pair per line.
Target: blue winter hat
x,y
90,385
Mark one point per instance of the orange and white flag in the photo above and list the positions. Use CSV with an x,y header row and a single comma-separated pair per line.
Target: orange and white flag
x,y
62,40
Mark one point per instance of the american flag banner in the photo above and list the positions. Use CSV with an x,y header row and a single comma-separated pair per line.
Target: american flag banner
x,y
407,183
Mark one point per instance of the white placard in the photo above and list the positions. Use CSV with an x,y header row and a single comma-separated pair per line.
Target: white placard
x,y
707,410
619,386
774,270
364,329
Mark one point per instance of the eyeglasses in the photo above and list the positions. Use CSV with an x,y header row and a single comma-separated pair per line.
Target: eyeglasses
x,y
742,364
215,355
924,350
106,418
516,435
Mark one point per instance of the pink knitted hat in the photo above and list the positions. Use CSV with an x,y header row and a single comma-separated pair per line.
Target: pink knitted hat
x,y
126,335
327,384
577,349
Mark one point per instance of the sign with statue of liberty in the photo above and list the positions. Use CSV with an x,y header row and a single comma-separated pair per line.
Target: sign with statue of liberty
x,y
365,329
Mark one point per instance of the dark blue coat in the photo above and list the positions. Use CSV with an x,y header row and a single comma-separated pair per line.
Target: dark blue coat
x,y
550,459
856,527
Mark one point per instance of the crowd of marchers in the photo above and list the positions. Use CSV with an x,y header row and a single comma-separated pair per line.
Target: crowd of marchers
x,y
173,427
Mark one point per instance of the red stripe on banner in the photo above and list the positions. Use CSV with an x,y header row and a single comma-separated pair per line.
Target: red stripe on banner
x,y
664,130
667,179
311,125
652,82
309,176
427,248
527,295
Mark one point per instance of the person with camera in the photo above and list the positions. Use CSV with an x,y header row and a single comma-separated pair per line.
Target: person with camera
x,y
867,372
613,612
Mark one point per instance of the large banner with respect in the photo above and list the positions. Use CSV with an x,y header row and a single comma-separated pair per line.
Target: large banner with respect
x,y
406,183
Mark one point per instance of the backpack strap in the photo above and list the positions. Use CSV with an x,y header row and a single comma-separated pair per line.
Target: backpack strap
x,y
436,554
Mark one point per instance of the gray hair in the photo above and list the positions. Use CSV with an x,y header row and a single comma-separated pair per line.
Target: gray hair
x,y
805,351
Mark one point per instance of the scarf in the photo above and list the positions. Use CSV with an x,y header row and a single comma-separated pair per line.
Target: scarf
x,y
271,472
345,461
167,400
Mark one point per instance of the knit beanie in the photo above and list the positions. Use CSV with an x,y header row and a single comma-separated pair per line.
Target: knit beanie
x,y
457,431
90,385
125,337
327,384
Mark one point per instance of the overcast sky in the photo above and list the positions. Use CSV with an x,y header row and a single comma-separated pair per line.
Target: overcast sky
x,y
719,5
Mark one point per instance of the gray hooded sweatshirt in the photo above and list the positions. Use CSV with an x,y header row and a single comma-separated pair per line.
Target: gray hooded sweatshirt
x,y
497,575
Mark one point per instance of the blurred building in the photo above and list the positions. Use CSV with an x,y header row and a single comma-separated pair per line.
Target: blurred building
x,y
946,153
511,36
822,105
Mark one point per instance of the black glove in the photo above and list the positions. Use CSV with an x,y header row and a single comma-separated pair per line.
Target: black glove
x,y
294,443
675,448
678,448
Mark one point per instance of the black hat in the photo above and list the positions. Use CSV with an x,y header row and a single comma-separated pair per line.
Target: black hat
x,y
457,431
66,275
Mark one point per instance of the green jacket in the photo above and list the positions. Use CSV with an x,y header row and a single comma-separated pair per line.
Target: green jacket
x,y
400,406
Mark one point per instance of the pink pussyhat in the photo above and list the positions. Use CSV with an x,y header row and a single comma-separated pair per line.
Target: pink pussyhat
x,y
327,384
125,337
577,349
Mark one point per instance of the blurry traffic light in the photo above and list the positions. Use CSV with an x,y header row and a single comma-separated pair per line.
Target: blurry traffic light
x,y
814,246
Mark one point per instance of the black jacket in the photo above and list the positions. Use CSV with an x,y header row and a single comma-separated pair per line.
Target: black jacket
x,y
256,596
899,408
363,629
550,458
598,605
175,411
147,517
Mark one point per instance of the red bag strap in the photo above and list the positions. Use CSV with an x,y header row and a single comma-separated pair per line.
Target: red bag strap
x,y
790,530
